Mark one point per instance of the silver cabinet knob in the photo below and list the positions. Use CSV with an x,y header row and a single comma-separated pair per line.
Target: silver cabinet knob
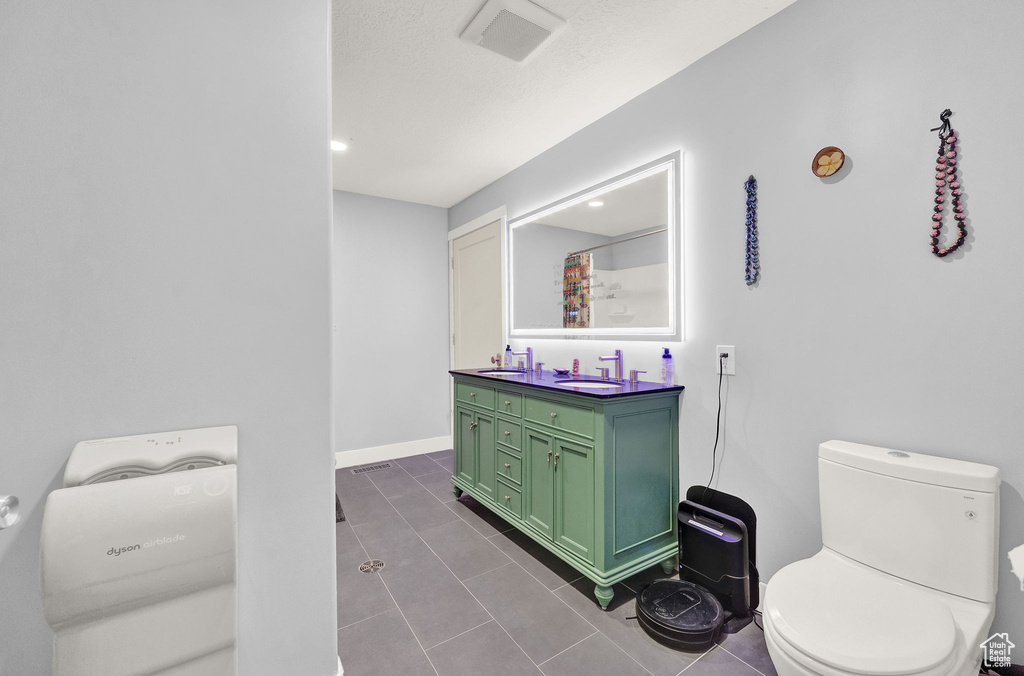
x,y
556,460
507,465
472,425
507,433
9,512
553,414
472,394
549,456
508,497
508,403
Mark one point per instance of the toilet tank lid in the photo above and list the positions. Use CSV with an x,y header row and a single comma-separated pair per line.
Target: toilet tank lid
x,y
928,469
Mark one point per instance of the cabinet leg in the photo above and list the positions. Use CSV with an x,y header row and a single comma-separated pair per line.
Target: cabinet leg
x,y
457,492
668,566
604,595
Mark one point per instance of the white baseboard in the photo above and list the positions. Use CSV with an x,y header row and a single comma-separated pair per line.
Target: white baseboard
x,y
762,586
341,670
361,456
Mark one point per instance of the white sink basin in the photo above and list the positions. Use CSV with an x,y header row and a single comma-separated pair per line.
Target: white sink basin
x,y
591,384
501,372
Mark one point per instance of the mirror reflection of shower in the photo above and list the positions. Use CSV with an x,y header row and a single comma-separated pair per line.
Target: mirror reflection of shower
x,y
626,281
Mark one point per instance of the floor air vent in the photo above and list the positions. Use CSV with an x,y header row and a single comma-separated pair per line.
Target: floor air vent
x,y
370,468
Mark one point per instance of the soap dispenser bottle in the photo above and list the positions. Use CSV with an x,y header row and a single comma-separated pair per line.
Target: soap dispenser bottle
x,y
508,355
667,377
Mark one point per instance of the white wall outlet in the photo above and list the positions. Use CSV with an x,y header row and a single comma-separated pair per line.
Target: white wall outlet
x,y
728,362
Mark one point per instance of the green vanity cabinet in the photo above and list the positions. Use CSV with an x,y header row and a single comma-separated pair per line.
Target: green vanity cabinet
x,y
594,478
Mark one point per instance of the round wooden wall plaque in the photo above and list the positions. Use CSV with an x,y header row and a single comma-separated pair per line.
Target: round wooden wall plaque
x,y
827,161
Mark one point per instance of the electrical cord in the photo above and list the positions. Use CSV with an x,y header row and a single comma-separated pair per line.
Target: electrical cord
x,y
718,427
714,459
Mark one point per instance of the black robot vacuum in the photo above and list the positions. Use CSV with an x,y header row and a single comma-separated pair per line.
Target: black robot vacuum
x,y
718,581
680,614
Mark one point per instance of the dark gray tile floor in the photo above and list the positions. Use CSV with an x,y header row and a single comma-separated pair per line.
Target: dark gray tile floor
x,y
463,593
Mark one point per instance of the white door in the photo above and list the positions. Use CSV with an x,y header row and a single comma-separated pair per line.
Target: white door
x,y
476,297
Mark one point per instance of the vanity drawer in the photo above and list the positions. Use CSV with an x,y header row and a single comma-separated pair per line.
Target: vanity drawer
x,y
576,419
509,499
471,393
509,403
510,433
510,467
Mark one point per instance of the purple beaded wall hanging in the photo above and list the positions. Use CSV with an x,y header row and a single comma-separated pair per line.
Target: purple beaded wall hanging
x,y
945,168
753,266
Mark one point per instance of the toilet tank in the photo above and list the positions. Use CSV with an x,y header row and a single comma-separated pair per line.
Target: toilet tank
x,y
930,520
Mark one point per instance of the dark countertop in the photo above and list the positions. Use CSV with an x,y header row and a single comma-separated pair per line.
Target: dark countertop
x,y
546,381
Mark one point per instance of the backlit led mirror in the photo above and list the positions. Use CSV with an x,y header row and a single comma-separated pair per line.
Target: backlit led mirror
x,y
603,262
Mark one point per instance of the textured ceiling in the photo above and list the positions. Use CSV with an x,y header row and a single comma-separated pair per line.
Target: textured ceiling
x,y
432,119
626,208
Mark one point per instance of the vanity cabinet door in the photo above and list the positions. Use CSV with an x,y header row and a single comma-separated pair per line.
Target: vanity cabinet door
x,y
465,445
538,482
559,491
486,450
475,450
574,497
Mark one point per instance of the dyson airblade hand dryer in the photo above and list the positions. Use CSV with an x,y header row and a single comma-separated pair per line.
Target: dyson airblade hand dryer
x,y
138,556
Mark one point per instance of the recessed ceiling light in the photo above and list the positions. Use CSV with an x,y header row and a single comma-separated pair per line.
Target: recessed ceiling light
x,y
338,146
595,203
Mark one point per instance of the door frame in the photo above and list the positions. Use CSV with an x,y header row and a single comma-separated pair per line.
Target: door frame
x,y
499,214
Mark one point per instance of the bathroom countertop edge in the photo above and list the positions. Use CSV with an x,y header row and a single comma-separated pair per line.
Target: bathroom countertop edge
x,y
546,381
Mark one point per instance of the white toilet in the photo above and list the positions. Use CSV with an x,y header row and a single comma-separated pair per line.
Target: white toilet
x,y
906,580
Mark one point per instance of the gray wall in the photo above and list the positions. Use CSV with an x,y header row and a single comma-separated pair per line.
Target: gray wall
x,y
856,331
635,253
165,237
391,299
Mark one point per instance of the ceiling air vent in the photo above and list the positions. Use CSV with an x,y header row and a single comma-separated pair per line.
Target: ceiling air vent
x,y
512,28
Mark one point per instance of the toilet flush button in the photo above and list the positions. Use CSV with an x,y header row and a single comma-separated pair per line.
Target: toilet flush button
x,y
970,514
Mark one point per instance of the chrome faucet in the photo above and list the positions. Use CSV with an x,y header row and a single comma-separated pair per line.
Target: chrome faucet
x,y
529,357
617,358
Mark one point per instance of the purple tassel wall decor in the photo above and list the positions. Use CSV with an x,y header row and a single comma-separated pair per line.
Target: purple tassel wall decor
x,y
753,267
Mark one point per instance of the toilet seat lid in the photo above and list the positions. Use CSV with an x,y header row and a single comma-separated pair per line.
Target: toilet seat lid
x,y
858,620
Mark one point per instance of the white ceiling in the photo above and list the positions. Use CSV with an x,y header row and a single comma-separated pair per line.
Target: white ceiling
x,y
432,119
639,205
